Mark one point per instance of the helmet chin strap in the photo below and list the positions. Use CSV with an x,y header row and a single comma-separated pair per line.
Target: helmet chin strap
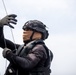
x,y
32,35
30,38
26,41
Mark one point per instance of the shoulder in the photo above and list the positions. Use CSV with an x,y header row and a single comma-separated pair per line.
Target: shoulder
x,y
39,48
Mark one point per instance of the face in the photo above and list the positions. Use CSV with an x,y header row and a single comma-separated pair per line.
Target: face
x,y
27,34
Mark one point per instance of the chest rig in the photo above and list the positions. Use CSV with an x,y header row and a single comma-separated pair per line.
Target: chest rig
x,y
24,49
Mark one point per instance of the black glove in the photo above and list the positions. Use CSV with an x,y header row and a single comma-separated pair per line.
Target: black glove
x,y
6,51
8,19
9,55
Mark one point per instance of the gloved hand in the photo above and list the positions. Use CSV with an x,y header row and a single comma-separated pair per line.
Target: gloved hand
x,y
5,53
9,55
8,19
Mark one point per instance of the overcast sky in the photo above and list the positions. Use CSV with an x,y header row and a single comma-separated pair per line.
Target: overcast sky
x,y
60,18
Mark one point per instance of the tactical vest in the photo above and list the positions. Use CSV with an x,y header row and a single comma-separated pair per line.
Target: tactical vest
x,y
24,50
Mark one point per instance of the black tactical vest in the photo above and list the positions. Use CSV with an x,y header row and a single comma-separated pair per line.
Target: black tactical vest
x,y
24,50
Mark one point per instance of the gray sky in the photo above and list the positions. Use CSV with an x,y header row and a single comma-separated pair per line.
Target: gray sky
x,y
59,16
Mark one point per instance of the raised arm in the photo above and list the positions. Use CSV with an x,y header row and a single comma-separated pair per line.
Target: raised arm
x,y
6,21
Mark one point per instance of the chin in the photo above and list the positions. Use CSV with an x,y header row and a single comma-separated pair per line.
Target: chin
x,y
26,41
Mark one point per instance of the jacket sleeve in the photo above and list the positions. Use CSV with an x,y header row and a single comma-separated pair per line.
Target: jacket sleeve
x,y
4,41
32,59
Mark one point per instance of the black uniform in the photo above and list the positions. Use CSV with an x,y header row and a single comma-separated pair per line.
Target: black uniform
x,y
32,58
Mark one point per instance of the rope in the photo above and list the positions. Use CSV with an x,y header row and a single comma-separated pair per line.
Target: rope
x,y
4,7
6,13
11,33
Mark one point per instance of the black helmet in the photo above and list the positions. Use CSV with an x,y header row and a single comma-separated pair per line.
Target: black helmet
x,y
37,26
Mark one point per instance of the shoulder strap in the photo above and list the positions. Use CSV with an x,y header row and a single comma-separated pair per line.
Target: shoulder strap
x,y
19,49
30,46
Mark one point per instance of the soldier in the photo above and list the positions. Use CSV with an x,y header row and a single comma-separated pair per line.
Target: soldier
x,y
31,58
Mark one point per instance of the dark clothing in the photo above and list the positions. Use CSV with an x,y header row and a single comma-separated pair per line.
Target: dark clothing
x,y
30,62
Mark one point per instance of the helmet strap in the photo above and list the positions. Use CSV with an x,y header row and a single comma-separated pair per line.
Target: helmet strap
x,y
32,35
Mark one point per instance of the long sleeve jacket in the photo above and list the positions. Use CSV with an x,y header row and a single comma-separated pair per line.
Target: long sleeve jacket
x,y
22,65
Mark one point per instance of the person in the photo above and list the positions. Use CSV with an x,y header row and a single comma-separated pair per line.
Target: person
x,y
31,58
